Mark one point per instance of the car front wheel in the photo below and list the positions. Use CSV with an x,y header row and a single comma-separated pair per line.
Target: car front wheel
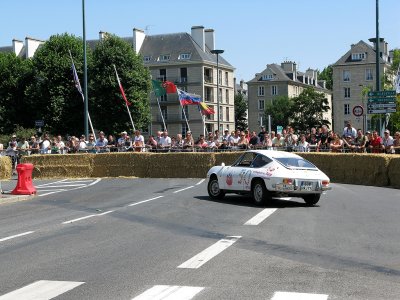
x,y
259,192
312,199
213,189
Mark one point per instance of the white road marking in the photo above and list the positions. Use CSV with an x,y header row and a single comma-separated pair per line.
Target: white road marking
x,y
96,181
200,259
81,186
64,185
200,182
79,219
41,290
15,236
50,190
144,201
298,296
258,218
50,183
184,189
106,213
169,292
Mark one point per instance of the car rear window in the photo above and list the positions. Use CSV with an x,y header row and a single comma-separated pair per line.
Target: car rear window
x,y
294,162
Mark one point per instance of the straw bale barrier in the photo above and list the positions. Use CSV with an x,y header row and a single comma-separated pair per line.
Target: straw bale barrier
x,y
364,169
394,171
5,167
61,166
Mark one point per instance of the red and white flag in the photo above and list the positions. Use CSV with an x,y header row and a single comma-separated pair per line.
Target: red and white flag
x,y
121,88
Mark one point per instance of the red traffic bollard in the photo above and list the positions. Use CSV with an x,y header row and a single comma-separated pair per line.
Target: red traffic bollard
x,y
24,184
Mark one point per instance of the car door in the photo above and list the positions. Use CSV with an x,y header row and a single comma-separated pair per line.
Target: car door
x,y
241,172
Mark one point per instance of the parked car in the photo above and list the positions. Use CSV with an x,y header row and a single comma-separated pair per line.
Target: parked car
x,y
267,173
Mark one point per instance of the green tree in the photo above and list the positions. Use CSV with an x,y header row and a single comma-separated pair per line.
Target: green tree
x,y
241,111
327,75
15,73
394,121
308,110
280,110
54,97
109,110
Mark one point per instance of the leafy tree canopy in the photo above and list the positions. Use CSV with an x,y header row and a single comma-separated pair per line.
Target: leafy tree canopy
x,y
280,110
241,111
327,75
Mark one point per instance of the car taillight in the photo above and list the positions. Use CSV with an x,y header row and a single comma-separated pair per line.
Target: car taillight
x,y
325,182
287,181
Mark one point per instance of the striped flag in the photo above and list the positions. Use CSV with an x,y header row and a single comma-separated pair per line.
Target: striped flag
x,y
205,109
121,88
188,99
76,79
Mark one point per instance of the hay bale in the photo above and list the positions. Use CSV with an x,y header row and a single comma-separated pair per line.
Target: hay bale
x,y
5,167
117,164
180,165
226,157
394,171
352,168
61,166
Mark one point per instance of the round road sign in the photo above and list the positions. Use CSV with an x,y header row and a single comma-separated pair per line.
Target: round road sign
x,y
358,110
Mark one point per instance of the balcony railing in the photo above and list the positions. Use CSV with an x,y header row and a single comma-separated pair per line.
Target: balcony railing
x,y
208,79
172,118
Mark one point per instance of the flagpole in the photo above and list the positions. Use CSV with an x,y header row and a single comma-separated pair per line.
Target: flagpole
x,y
162,117
126,102
184,113
83,99
203,119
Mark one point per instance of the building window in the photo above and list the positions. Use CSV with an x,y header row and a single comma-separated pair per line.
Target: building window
x,y
163,98
274,90
226,79
164,57
347,92
346,75
211,116
185,111
163,75
147,58
347,109
183,78
184,56
227,96
267,77
221,113
357,56
227,114
219,77
220,95
368,74
164,112
261,104
208,94
261,91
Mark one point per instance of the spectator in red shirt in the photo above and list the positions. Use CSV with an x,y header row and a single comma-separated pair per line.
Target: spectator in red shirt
x,y
375,144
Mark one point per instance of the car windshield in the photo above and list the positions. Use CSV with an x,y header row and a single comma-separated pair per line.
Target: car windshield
x,y
294,162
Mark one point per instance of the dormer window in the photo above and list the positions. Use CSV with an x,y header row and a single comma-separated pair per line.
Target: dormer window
x,y
267,77
147,58
183,56
164,57
357,56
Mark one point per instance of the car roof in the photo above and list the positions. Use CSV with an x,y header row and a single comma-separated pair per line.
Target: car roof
x,y
275,153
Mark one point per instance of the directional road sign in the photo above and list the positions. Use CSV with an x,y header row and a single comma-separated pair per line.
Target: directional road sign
x,y
381,111
382,99
381,105
382,93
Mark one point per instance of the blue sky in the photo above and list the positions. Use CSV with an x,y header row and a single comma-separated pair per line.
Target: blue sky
x,y
253,33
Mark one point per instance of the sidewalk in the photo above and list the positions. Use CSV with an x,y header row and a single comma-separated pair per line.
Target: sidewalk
x,y
6,186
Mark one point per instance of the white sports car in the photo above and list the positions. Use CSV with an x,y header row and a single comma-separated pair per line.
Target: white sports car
x,y
267,173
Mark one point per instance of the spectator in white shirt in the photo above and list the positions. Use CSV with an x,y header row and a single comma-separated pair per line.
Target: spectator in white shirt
x,y
349,131
165,140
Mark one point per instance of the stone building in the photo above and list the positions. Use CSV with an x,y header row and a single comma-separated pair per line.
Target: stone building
x,y
281,80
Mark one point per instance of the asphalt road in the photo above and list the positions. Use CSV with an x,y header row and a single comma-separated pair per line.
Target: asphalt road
x,y
165,239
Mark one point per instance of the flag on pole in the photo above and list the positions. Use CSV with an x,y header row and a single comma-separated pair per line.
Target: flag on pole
x,y
121,88
163,88
76,79
188,99
205,109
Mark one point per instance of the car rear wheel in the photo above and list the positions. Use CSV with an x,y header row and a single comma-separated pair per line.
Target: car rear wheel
x,y
259,192
213,189
312,199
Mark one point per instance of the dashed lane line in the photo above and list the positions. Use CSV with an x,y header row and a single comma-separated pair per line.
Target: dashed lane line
x,y
298,296
257,219
184,189
169,292
200,182
144,201
200,259
15,236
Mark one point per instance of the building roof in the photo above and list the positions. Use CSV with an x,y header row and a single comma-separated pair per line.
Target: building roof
x,y
360,47
175,44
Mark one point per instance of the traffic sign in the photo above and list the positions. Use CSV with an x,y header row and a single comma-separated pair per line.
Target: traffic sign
x,y
382,93
358,110
39,123
382,99
381,105
381,111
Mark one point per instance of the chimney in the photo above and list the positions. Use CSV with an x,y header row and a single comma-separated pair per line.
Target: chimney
x,y
102,35
209,38
31,46
322,83
242,84
138,39
198,36
17,46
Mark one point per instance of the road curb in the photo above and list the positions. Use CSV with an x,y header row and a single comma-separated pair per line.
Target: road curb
x,y
8,198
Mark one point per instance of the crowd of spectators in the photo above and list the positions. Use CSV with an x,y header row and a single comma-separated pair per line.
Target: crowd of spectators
x,y
321,140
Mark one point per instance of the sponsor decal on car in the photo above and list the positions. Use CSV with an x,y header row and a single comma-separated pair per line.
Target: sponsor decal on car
x,y
229,179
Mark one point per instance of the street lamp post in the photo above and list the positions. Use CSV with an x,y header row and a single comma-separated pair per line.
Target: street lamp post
x,y
85,89
218,52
